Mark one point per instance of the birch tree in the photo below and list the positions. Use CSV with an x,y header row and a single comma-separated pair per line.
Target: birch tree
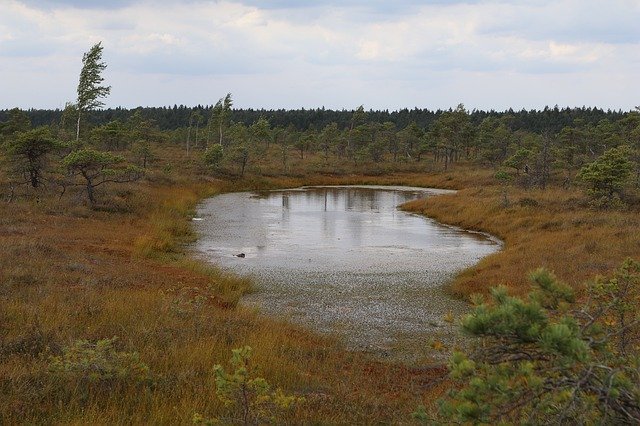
x,y
90,90
220,115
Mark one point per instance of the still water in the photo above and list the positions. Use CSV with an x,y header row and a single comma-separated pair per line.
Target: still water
x,y
345,261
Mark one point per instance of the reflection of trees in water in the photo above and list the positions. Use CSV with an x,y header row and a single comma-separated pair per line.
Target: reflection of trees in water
x,y
285,208
349,229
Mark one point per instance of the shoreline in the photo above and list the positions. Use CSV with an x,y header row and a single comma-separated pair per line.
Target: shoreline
x,y
396,344
127,274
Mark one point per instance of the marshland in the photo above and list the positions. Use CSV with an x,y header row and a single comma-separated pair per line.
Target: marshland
x,y
226,262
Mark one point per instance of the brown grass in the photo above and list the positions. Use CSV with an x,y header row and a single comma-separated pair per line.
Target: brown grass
x,y
94,275
560,232
69,273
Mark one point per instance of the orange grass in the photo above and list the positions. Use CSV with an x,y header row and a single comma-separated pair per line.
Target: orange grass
x,y
91,275
560,233
69,273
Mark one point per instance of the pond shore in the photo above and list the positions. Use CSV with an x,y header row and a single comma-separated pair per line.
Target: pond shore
x,y
72,273
344,261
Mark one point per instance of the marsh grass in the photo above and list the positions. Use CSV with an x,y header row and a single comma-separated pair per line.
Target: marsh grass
x,y
70,273
555,229
93,275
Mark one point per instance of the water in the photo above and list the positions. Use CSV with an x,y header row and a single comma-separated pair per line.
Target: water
x,y
345,261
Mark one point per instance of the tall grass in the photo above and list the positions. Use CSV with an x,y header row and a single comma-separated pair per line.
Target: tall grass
x,y
96,275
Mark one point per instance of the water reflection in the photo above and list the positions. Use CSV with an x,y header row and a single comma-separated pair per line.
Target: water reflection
x,y
341,259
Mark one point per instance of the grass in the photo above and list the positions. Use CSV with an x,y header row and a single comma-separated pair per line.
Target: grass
x,y
554,228
95,274
69,273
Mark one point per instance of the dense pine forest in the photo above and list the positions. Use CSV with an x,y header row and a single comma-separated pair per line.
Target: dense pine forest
x,y
551,119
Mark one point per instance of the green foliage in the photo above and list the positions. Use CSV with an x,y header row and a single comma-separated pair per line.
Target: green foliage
x,y
112,136
97,168
329,139
143,152
91,161
518,160
494,139
607,176
220,116
546,359
18,122
376,149
503,177
29,151
260,131
99,363
90,91
239,154
212,156
250,399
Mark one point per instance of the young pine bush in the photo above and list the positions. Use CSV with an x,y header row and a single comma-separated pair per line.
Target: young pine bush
x,y
250,400
607,176
99,364
548,359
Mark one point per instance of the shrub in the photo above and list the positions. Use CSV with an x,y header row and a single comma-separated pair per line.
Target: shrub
x,y
213,156
547,359
607,176
99,363
250,399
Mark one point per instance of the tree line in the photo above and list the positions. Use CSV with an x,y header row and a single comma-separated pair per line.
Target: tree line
x,y
551,119
602,155
89,146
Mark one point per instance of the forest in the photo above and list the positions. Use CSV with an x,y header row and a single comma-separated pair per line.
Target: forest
x,y
172,118
105,317
509,142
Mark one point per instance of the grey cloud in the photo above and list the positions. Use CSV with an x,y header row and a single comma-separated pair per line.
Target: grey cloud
x,y
588,21
182,64
288,57
380,5
81,4
26,48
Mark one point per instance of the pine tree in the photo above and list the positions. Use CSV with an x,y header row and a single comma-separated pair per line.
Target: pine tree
x,y
28,152
548,359
608,175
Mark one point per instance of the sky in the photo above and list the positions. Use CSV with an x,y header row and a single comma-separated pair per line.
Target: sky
x,y
494,54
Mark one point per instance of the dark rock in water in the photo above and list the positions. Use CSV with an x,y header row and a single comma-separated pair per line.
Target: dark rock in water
x,y
240,255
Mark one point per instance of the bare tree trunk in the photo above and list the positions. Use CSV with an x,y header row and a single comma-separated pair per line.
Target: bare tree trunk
x,y
78,127
208,140
188,138
90,194
446,159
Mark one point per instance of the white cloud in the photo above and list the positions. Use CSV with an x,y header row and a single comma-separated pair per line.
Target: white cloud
x,y
285,54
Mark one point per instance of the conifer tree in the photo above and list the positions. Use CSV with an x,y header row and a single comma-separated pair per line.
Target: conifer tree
x,y
97,168
608,175
548,359
29,150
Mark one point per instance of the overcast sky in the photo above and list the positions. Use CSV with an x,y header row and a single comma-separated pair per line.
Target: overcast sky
x,y
334,53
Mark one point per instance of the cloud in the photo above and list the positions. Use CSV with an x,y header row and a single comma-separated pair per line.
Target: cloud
x,y
84,4
278,52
